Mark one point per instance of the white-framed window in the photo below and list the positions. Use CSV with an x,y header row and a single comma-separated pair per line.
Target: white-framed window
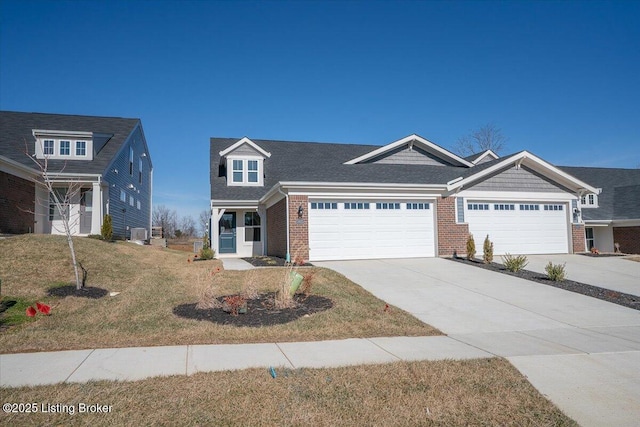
x,y
478,206
251,227
65,148
504,207
238,170
588,234
324,205
252,171
123,196
553,207
81,148
387,206
589,201
417,206
138,204
356,205
130,200
48,147
140,170
529,207
131,161
244,171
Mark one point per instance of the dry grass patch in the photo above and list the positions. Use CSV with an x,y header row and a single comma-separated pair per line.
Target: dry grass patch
x,y
446,393
152,282
635,258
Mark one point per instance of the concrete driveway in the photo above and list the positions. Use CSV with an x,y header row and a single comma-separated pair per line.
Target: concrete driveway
x,y
614,273
580,352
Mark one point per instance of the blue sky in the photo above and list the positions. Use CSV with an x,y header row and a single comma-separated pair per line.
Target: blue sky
x,y
561,79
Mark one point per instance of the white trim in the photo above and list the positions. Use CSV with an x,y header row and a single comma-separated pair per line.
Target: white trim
x,y
517,195
485,154
626,222
535,163
245,171
412,139
45,133
244,140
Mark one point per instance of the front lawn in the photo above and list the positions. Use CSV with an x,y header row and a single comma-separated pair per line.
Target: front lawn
x,y
487,392
152,283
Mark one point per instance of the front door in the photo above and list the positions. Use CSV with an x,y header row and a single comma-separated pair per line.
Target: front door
x,y
228,233
86,206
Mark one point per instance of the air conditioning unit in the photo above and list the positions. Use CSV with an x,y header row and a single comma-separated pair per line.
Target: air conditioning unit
x,y
139,234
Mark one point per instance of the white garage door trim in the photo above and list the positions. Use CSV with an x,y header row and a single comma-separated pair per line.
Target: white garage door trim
x,y
370,229
519,227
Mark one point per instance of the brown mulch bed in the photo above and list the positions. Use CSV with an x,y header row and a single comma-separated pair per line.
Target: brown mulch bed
x,y
270,261
620,298
260,311
71,291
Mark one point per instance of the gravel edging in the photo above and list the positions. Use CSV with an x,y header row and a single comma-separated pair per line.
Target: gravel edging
x,y
620,298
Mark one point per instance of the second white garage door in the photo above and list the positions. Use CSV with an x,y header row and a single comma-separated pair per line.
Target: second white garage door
x,y
519,227
369,229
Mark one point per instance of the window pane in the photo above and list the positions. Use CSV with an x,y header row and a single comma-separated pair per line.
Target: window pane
x,y
253,165
237,177
237,165
253,176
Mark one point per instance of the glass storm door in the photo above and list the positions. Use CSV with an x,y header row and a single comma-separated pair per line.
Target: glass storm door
x,y
228,233
86,206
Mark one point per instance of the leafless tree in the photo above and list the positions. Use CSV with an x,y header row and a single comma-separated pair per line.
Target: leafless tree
x,y
487,137
203,220
61,193
166,218
188,226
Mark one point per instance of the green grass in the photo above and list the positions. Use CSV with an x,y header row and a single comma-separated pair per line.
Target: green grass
x,y
14,311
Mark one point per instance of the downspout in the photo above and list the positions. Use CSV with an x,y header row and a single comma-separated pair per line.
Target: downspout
x,y
286,196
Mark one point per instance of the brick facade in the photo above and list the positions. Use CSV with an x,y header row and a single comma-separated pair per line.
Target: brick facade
x,y
276,229
577,235
628,238
451,236
299,227
17,195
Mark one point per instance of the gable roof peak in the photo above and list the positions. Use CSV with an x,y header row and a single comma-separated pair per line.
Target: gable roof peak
x,y
241,141
411,141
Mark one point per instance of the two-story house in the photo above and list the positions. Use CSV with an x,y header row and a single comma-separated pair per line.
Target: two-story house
x,y
104,160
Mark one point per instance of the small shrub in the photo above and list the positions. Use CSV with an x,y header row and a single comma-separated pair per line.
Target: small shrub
x,y
207,253
307,284
555,272
234,304
514,263
106,231
487,250
471,247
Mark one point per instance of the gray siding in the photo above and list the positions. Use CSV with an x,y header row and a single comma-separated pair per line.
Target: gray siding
x,y
460,205
522,179
485,159
404,156
124,215
245,150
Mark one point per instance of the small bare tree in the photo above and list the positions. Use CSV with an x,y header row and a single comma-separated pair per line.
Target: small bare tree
x,y
61,199
166,218
487,137
203,220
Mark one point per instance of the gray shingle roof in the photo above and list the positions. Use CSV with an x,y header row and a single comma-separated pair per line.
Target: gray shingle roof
x,y
17,127
620,197
320,162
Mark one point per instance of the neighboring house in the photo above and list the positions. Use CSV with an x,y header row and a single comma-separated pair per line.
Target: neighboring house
x,y
107,157
410,198
614,215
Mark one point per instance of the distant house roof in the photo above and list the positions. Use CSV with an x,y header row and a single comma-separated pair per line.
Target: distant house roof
x,y
620,197
109,135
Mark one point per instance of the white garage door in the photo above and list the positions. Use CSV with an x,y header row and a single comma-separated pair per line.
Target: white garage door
x,y
519,227
369,229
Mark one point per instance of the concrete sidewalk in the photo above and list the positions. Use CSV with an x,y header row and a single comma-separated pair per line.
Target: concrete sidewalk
x,y
580,352
130,364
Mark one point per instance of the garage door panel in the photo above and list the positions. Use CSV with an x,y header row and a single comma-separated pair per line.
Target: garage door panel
x,y
520,231
370,233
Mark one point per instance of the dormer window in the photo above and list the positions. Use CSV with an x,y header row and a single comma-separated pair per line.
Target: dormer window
x,y
62,144
252,171
244,163
81,148
237,170
245,171
65,148
589,201
48,147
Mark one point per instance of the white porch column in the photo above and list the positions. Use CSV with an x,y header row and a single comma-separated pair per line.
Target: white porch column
x,y
215,231
96,208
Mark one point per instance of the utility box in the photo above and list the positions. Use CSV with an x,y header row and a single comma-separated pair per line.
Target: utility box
x,y
139,234
197,246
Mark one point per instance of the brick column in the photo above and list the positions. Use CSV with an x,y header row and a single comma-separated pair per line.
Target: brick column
x,y
299,227
577,236
451,236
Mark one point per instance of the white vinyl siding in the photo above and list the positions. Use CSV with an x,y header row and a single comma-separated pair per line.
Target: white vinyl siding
x,y
370,229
